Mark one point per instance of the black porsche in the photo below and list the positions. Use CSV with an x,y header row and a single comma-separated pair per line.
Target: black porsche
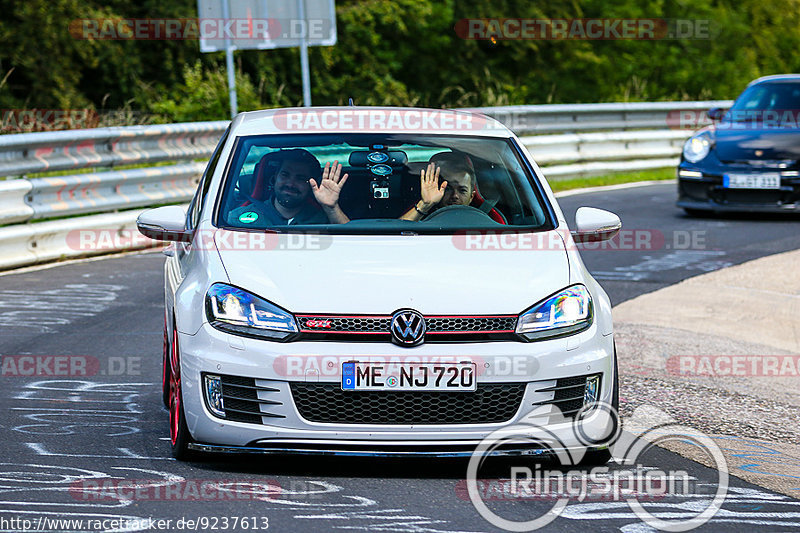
x,y
748,159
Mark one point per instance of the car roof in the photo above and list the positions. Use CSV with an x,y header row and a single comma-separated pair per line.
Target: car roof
x,y
775,77
365,119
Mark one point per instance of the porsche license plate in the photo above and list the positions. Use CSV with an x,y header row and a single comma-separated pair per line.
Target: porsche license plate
x,y
752,181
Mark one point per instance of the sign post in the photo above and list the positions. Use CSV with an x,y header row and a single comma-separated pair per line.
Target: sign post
x,y
229,63
304,69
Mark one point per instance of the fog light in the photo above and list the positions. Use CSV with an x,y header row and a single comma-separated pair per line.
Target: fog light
x,y
592,390
690,173
214,395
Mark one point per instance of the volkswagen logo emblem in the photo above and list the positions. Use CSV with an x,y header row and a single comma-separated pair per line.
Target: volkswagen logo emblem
x,y
408,328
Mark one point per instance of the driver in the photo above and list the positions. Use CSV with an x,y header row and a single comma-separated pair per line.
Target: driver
x,y
456,188
291,201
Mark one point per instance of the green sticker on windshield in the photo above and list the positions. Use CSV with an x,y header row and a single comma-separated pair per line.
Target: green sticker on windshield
x,y
247,218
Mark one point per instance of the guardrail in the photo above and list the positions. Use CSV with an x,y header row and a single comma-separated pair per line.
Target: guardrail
x,y
566,140
563,118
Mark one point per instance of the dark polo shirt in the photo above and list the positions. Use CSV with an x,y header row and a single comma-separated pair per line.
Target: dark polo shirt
x,y
262,215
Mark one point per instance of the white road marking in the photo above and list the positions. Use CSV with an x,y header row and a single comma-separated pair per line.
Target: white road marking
x,y
43,309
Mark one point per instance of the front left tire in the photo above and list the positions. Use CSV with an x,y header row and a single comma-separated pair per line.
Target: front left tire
x,y
179,435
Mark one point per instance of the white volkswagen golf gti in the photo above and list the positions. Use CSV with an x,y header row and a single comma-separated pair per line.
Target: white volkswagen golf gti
x,y
379,281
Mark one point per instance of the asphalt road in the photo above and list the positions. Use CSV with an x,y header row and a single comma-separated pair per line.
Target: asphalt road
x,y
65,438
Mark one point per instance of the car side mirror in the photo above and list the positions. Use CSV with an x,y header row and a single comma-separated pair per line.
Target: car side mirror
x,y
594,225
716,113
167,223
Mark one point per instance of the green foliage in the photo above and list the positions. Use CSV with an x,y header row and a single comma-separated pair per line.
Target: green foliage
x,y
204,96
565,184
392,52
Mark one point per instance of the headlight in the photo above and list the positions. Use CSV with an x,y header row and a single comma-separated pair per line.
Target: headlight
x,y
241,313
568,311
697,147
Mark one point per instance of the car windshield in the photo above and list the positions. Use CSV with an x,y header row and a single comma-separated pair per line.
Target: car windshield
x,y
777,96
393,183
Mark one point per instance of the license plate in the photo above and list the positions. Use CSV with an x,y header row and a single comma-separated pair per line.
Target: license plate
x,y
377,376
752,181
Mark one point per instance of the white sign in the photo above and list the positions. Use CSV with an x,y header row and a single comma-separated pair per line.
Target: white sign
x,y
265,24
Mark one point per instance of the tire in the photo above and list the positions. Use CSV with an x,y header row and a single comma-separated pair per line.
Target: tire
x,y
595,457
696,213
166,368
178,430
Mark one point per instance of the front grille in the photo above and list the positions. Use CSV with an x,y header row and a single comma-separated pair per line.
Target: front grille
x,y
327,402
345,324
456,324
567,395
241,402
749,196
377,327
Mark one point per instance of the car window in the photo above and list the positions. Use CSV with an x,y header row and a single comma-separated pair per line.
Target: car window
x,y
199,199
778,96
487,184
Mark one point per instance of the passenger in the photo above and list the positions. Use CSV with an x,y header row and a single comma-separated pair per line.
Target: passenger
x,y
457,187
291,201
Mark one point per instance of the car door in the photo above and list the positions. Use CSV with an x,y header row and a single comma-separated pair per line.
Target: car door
x,y
180,260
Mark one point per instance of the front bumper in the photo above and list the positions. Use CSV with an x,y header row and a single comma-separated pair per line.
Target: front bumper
x,y
537,364
707,193
378,449
728,207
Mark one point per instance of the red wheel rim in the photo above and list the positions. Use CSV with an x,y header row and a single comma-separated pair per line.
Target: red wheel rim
x,y
174,392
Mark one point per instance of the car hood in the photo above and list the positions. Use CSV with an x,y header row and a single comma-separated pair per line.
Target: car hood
x,y
379,274
740,143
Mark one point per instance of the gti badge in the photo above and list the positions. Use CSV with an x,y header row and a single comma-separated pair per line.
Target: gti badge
x,y
378,157
408,328
381,170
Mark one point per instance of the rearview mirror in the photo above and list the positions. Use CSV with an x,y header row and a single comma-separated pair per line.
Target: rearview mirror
x,y
593,225
166,223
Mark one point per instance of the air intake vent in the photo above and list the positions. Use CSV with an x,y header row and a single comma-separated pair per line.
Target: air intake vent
x,y
241,401
327,402
568,394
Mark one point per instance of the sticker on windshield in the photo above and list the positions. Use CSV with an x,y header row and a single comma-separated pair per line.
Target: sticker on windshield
x,y
381,170
248,217
378,157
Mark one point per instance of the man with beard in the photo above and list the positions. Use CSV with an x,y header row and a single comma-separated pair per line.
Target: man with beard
x,y
299,196
457,187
